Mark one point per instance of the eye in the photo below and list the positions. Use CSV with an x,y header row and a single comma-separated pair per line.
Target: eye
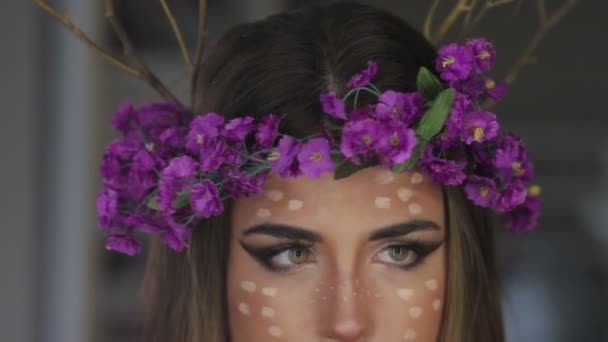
x,y
399,255
293,256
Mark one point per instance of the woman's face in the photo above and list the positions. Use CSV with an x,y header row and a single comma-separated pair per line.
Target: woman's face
x,y
359,259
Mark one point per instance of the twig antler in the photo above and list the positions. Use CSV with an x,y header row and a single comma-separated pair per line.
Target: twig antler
x,y
138,69
202,36
178,35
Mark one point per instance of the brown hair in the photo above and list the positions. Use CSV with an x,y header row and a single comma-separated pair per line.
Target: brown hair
x,y
281,65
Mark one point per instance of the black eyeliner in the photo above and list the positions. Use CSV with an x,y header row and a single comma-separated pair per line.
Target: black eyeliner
x,y
264,255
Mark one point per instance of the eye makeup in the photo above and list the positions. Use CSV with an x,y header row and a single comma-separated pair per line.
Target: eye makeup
x,y
274,258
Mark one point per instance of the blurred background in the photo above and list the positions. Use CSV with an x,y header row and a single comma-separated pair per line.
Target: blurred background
x,y
58,284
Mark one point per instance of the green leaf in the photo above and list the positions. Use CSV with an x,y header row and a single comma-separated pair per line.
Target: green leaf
x,y
182,200
416,153
434,118
428,84
153,203
347,168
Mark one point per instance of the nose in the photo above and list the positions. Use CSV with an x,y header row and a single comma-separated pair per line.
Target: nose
x,y
346,317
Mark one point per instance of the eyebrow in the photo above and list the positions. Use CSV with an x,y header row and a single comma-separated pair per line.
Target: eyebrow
x,y
403,229
284,231
297,233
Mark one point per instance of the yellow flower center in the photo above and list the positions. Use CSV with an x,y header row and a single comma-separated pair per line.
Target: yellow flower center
x,y
484,191
396,110
367,140
394,140
449,60
516,166
478,133
199,139
490,84
274,155
534,190
316,156
150,147
484,54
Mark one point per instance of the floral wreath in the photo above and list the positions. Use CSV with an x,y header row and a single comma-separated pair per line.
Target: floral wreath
x,y
172,168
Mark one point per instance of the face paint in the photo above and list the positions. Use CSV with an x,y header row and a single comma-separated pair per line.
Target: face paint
x,y
410,335
270,291
248,286
384,177
336,268
382,202
245,309
295,205
416,178
415,209
436,304
431,284
274,195
264,213
415,312
405,294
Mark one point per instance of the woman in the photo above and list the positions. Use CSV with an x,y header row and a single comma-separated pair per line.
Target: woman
x,y
372,257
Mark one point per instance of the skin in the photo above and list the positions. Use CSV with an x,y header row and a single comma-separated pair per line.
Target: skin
x,y
349,284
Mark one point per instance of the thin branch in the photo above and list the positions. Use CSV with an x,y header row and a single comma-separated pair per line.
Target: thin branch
x,y
147,75
202,35
428,22
541,6
65,21
469,14
528,54
459,8
489,4
178,35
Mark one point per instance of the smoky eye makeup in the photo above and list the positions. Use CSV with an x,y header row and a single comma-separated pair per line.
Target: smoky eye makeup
x,y
284,257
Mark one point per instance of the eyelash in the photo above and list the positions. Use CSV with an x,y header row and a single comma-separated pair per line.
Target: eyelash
x,y
265,255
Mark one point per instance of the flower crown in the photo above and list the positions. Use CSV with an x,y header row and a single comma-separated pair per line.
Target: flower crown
x,y
172,169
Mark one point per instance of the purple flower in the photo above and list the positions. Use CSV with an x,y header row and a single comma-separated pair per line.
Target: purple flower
x,y
442,171
315,158
333,105
360,138
451,132
204,199
177,177
154,118
238,128
454,62
116,158
212,155
283,159
177,236
483,52
124,120
204,128
365,112
172,138
396,144
147,221
511,196
242,183
267,131
511,159
406,106
479,127
123,243
363,78
107,208
495,90
525,217
480,190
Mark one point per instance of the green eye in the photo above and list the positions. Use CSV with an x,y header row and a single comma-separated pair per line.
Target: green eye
x,y
298,255
399,253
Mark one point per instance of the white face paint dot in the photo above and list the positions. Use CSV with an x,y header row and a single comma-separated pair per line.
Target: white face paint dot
x,y
431,284
415,312
415,209
244,309
248,286
384,177
295,205
270,291
275,331
404,194
436,304
267,312
264,213
405,294
416,178
410,335
382,202
274,195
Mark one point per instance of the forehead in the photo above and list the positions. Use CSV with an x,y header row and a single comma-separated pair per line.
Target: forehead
x,y
370,198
